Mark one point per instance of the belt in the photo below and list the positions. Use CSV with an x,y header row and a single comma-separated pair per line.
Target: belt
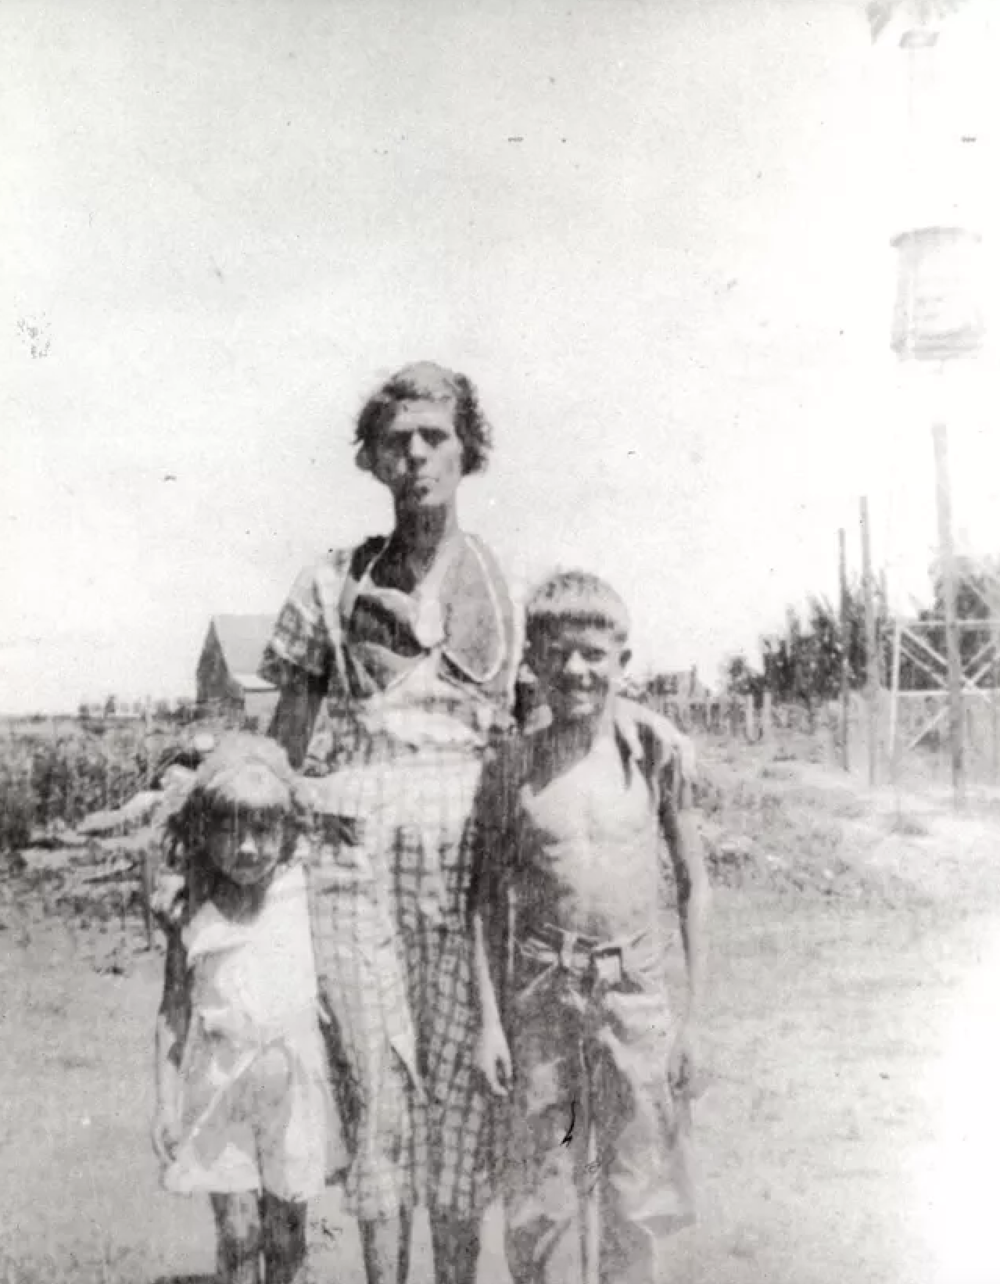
x,y
577,951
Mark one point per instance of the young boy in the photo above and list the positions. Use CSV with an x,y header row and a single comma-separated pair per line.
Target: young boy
x,y
599,1069
244,1108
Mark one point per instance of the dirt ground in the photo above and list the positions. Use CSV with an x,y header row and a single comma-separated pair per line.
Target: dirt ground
x,y
848,1131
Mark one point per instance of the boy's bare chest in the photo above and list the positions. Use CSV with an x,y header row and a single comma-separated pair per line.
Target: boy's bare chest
x,y
600,802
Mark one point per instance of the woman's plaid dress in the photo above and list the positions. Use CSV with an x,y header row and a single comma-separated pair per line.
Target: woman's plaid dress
x,y
414,686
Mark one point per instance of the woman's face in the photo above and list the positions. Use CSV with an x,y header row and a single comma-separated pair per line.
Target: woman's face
x,y
418,455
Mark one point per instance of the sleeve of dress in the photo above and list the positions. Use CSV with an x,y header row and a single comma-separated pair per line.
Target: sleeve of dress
x,y
301,642
304,653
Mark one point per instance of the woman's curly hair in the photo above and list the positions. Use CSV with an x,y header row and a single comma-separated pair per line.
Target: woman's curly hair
x,y
427,381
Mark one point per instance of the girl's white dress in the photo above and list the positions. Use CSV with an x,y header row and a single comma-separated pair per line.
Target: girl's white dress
x,y
256,1109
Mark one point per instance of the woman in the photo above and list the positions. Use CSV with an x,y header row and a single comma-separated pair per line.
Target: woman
x,y
395,660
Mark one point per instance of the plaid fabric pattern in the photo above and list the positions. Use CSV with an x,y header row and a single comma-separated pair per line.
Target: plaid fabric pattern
x,y
389,880
390,886
309,635
308,627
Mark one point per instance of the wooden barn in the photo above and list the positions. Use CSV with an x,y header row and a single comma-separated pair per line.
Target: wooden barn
x,y
227,680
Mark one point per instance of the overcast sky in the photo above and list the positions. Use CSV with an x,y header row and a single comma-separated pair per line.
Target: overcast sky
x,y
655,235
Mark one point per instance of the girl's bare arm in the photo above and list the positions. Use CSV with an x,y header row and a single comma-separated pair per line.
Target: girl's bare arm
x,y
172,1020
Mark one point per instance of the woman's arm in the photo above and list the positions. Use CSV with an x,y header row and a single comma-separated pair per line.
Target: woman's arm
x,y
492,1053
295,715
482,973
301,654
490,906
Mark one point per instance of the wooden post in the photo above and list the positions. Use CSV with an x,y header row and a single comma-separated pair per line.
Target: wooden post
x,y
765,716
953,655
897,655
147,895
993,604
845,660
748,718
995,700
882,613
871,645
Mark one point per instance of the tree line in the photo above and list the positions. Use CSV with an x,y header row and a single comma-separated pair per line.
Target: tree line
x,y
802,662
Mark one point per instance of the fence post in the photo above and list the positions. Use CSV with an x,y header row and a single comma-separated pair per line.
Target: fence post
x,y
765,717
147,895
750,728
897,656
845,659
995,704
871,645
956,701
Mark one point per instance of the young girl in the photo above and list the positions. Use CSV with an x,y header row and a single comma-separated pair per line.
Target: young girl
x,y
244,1109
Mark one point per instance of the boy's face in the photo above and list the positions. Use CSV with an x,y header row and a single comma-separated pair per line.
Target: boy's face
x,y
578,667
245,846
419,454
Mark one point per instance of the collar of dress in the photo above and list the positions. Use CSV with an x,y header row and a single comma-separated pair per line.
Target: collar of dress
x,y
476,642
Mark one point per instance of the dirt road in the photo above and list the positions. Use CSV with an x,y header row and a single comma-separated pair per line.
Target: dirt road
x,y
849,1131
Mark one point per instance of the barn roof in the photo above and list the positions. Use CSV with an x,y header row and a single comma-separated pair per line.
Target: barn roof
x,y
243,638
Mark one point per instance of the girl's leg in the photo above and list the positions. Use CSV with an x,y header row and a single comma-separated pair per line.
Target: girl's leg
x,y
456,1248
386,1247
405,1243
237,1227
284,1237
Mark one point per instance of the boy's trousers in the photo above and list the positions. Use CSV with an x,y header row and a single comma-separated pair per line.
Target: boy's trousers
x,y
594,1122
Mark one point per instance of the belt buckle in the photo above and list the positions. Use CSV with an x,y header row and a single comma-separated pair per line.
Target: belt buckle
x,y
606,964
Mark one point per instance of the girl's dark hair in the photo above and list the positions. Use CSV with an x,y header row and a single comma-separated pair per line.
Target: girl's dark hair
x,y
245,773
427,381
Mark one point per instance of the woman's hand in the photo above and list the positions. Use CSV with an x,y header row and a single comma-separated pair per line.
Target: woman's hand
x,y
493,1059
683,1069
166,1133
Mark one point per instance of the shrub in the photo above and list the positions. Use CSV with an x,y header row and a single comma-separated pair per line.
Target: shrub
x,y
16,811
47,779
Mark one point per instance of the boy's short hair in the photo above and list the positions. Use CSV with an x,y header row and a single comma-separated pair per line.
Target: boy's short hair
x,y
245,774
427,381
575,598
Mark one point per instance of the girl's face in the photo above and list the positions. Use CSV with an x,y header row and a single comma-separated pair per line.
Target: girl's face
x,y
245,846
418,454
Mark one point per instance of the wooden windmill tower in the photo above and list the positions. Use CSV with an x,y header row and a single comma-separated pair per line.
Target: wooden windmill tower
x,y
938,320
